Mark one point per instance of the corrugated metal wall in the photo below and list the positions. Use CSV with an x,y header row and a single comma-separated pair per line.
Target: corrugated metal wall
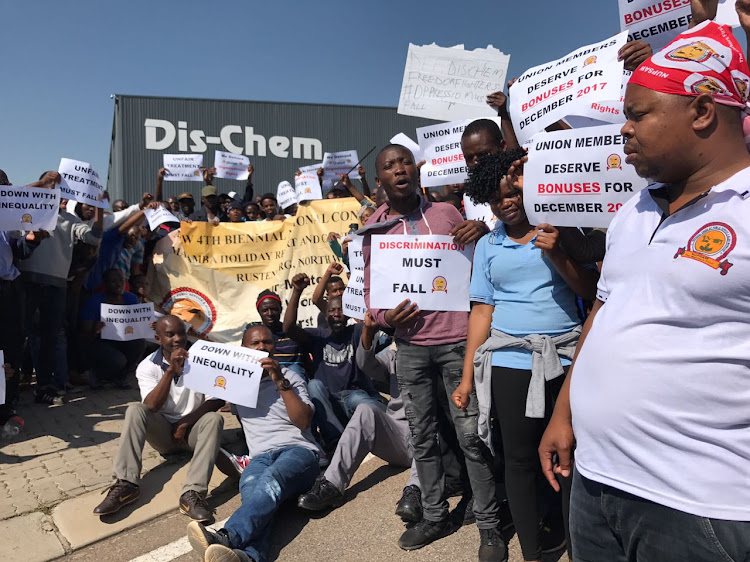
x,y
133,167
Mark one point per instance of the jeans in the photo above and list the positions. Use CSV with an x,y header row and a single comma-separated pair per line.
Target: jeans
x,y
50,301
60,370
333,410
418,370
609,525
270,479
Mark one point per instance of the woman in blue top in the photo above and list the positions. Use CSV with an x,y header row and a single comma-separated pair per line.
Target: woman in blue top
x,y
523,293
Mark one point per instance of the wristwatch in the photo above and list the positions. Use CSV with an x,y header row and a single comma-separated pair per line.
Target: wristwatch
x,y
284,385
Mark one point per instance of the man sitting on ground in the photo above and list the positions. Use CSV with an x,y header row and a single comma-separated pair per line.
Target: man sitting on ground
x,y
171,418
287,351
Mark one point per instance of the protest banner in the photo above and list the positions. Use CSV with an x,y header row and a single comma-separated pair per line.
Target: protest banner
x,y
210,275
337,163
353,299
183,167
158,216
28,208
547,93
481,212
406,141
578,177
80,182
432,271
307,187
126,322
451,84
286,196
231,166
224,371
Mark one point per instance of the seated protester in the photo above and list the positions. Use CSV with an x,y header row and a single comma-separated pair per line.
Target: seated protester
x,y
139,286
330,286
235,212
287,351
338,384
130,261
253,212
171,418
284,460
110,360
370,430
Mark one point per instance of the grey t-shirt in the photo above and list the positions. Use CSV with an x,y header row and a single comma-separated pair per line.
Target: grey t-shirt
x,y
267,426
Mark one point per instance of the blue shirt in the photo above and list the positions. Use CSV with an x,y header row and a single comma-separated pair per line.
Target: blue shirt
x,y
109,251
529,295
92,308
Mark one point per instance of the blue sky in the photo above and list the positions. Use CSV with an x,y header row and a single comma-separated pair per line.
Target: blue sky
x,y
62,60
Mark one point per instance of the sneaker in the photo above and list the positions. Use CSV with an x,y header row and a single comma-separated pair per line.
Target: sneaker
x,y
463,513
423,533
221,553
322,496
492,547
409,507
120,493
48,396
194,506
552,535
201,538
229,463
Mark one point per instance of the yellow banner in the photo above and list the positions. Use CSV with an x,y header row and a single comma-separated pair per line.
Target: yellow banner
x,y
211,274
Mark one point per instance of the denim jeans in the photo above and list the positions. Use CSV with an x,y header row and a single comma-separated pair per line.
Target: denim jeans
x,y
333,410
419,368
608,525
270,479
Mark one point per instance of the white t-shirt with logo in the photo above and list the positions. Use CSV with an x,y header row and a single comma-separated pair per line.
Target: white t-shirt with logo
x,y
181,400
660,391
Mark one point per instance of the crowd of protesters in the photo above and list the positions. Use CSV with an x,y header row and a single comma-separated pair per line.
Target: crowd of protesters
x,y
595,396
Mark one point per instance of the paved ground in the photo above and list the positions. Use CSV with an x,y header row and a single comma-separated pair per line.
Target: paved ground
x,y
51,479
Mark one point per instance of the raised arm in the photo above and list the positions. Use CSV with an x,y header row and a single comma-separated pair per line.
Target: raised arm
x,y
499,101
159,190
362,178
249,192
353,191
299,283
319,295
155,399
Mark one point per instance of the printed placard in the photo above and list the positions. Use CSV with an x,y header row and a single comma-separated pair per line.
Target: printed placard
x,y
337,163
231,166
126,322
451,84
224,371
286,196
547,93
432,271
353,299
158,216
81,183
183,167
307,187
405,140
481,212
578,177
28,208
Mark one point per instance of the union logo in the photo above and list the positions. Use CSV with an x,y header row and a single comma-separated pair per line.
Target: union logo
x,y
440,285
26,218
193,307
589,60
129,330
711,245
614,161
220,382
708,85
698,51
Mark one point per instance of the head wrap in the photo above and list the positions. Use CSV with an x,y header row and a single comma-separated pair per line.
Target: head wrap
x,y
706,59
267,295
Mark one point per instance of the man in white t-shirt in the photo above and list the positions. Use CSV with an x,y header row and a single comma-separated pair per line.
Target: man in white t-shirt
x,y
659,394
171,418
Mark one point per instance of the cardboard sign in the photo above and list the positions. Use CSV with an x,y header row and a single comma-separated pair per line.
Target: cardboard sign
x,y
451,84
286,196
81,183
431,270
547,93
126,322
183,167
231,166
441,148
307,187
353,298
578,177
159,216
28,208
224,371
337,163
406,141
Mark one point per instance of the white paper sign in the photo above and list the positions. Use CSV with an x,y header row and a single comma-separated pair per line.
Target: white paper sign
x,y
231,166
353,298
547,93
224,371
406,141
183,167
578,177
337,163
726,13
431,270
451,84
158,216
28,208
307,187
481,212
126,322
285,195
81,183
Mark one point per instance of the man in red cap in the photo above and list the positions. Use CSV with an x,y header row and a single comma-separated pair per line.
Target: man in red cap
x,y
658,395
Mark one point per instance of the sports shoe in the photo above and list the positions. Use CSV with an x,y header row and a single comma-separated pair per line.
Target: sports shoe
x,y
492,547
322,496
409,507
221,553
423,533
119,494
229,463
194,506
201,538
